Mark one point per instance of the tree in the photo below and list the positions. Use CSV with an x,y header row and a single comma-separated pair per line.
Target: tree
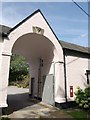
x,y
18,68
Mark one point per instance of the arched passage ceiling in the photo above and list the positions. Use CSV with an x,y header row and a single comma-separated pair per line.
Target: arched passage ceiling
x,y
33,46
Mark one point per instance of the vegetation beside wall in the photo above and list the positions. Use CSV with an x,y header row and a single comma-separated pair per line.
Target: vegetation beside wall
x,y
82,110
83,98
19,71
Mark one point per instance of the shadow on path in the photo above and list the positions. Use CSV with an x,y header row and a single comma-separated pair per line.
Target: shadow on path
x,y
17,102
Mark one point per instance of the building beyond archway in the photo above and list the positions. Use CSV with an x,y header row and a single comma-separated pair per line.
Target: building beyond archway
x,y
54,74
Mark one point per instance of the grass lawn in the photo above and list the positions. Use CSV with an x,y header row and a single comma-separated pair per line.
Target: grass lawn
x,y
78,114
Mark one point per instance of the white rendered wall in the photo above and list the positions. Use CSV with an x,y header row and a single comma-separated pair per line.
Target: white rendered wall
x,y
4,71
4,74
59,83
76,68
26,28
50,67
1,45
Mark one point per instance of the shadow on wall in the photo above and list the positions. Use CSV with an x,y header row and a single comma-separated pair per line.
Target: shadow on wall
x,y
45,70
62,91
84,80
17,102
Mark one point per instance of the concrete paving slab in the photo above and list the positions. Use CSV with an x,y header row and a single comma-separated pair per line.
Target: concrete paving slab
x,y
39,111
22,106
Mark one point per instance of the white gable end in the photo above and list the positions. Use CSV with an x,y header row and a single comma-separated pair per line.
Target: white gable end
x,y
25,39
37,20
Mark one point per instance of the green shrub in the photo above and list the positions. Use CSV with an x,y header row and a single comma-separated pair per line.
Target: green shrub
x,y
19,71
18,68
24,83
5,118
83,98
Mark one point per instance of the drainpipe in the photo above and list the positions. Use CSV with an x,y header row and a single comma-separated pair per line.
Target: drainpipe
x,y
65,75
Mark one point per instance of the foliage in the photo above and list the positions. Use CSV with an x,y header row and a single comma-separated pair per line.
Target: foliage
x,y
18,68
21,83
5,118
83,98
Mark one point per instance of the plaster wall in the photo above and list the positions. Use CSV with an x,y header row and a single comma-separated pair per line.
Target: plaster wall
x,y
57,69
75,69
4,73
27,27
49,67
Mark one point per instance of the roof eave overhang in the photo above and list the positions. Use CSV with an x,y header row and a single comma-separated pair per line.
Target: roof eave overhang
x,y
66,49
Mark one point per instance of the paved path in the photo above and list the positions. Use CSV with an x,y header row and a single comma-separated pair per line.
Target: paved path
x,y
22,106
12,90
39,110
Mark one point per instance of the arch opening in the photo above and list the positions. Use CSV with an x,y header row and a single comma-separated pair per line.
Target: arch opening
x,y
39,52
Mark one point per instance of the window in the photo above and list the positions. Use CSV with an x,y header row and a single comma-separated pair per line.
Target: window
x,y
88,76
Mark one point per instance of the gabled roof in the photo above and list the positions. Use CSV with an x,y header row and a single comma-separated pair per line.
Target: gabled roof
x,y
65,45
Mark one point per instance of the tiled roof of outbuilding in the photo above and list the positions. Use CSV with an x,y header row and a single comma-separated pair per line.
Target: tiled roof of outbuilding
x,y
4,29
74,47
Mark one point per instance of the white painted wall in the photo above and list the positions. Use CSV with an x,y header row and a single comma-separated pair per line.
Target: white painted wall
x,y
45,70
4,71
48,68
4,74
1,45
59,83
76,68
24,29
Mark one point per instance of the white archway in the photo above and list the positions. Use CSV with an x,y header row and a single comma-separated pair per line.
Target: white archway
x,y
35,47
23,39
